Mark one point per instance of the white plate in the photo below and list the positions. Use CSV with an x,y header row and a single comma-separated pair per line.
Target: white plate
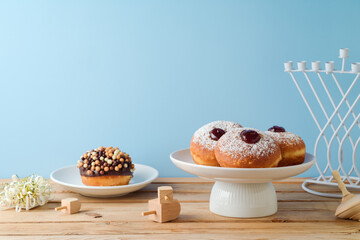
x,y
183,160
70,178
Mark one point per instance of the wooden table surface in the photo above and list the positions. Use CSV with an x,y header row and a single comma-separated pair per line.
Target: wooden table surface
x,y
300,216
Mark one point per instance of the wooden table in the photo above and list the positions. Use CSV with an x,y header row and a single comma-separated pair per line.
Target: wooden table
x,y
300,216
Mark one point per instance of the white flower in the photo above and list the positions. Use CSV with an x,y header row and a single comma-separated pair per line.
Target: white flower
x,y
14,178
25,193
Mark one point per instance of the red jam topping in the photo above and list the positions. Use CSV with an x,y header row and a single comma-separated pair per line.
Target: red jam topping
x,y
276,129
250,136
216,133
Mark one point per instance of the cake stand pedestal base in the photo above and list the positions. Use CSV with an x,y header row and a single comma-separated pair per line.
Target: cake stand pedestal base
x,y
243,200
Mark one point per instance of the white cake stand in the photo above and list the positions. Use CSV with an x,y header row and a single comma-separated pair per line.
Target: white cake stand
x,y
241,192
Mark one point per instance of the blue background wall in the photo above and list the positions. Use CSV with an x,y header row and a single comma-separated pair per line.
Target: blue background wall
x,y
144,75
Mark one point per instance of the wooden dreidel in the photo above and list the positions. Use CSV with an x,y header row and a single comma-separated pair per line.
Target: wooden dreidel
x,y
164,208
69,205
349,207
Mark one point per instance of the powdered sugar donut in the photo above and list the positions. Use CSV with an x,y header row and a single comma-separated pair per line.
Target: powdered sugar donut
x,y
247,148
205,138
291,145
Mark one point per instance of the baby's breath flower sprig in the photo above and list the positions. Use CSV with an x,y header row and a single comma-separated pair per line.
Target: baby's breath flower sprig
x,y
25,193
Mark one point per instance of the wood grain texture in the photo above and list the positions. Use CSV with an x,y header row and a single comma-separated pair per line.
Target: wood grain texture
x,y
300,216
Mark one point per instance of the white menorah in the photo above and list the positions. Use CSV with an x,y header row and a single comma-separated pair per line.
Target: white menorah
x,y
350,177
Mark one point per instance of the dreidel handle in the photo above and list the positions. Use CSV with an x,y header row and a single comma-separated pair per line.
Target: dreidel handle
x,y
341,184
148,213
60,208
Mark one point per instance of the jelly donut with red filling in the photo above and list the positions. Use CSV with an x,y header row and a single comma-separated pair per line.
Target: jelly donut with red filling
x,y
247,148
205,138
106,167
291,145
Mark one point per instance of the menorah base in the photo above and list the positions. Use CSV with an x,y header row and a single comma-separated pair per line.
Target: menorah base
x,y
330,184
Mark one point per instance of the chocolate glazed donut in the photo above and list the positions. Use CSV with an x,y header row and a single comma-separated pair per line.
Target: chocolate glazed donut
x,y
106,167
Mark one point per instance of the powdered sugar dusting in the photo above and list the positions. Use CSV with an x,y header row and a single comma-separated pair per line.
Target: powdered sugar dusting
x,y
232,145
202,135
287,138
